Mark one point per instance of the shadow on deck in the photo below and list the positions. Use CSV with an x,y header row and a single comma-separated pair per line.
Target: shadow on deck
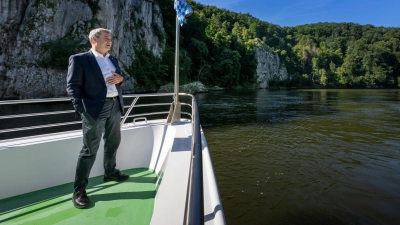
x,y
129,202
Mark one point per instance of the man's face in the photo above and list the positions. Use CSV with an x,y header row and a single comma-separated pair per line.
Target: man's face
x,y
103,43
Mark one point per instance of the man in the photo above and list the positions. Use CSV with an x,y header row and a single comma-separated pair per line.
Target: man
x,y
94,85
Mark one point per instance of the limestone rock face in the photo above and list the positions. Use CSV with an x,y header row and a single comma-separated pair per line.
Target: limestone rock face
x,y
28,24
269,66
187,88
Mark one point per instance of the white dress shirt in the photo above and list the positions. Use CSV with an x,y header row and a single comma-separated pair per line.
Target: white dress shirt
x,y
106,67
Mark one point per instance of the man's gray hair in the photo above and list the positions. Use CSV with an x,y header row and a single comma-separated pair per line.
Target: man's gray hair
x,y
97,32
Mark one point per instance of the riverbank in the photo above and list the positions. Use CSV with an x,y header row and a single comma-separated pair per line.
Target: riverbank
x,y
198,87
193,88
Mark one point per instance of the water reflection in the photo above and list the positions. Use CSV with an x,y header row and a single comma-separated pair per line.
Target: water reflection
x,y
217,108
305,156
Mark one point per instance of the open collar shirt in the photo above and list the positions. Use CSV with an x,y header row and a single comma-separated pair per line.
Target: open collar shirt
x,y
106,67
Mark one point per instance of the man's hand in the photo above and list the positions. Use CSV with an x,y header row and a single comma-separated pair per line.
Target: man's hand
x,y
115,80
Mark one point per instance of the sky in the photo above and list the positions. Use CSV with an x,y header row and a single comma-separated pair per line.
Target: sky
x,y
297,12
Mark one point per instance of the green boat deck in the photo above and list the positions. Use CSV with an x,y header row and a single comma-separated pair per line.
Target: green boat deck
x,y
128,202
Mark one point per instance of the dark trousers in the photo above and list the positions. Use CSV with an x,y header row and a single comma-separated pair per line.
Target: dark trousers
x,y
109,123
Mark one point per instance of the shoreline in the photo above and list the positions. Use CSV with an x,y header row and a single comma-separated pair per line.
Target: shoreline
x,y
224,89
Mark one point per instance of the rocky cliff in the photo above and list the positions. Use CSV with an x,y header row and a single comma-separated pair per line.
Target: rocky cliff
x,y
269,66
28,26
39,35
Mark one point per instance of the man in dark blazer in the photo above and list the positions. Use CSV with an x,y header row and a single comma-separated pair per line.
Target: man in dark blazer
x,y
94,85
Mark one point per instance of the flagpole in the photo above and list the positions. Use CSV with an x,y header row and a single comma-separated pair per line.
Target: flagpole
x,y
174,114
182,11
176,99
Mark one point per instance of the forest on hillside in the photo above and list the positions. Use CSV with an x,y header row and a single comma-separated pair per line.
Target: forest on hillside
x,y
217,48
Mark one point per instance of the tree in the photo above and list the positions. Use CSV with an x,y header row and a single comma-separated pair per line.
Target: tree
x,y
228,68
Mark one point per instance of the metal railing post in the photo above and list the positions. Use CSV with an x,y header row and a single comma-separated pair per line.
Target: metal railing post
x,y
194,211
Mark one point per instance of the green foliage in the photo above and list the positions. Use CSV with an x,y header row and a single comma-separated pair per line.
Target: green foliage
x,y
158,32
200,53
347,54
216,45
217,48
57,52
147,69
228,66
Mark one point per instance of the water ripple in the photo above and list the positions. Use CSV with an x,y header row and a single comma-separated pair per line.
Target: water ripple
x,y
305,157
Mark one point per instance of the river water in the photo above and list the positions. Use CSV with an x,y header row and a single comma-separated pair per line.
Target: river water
x,y
305,156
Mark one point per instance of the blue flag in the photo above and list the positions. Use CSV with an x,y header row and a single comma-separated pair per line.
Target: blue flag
x,y
183,10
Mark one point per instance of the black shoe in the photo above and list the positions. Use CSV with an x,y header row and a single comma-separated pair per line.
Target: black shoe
x,y
80,199
117,176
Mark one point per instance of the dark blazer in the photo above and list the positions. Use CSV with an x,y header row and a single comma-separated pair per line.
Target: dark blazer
x,y
86,86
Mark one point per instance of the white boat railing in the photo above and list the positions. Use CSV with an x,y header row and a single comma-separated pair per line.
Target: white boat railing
x,y
194,209
47,100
